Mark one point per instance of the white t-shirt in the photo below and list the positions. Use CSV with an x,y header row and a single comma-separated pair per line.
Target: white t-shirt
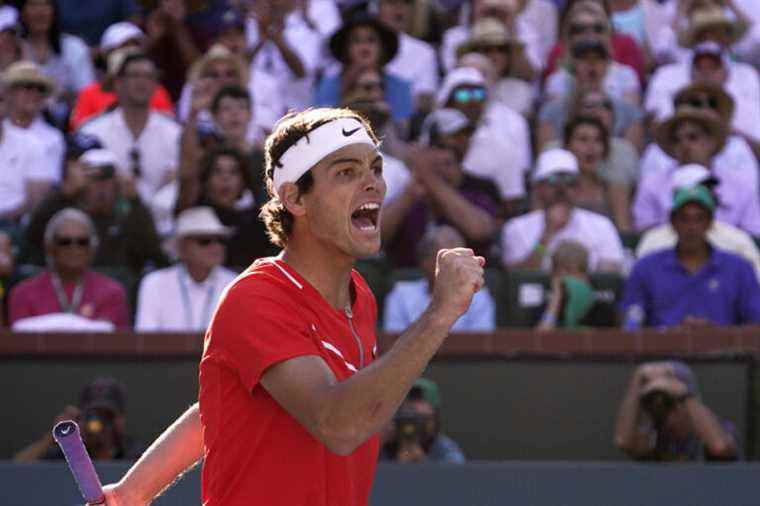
x,y
408,300
416,62
595,231
396,176
72,69
21,162
516,94
619,80
742,84
500,150
305,42
158,146
169,300
52,142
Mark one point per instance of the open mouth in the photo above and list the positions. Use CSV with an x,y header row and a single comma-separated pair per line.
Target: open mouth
x,y
365,217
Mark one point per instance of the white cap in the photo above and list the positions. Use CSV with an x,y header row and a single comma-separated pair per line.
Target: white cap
x,y
119,33
8,19
692,174
98,158
447,121
458,77
200,220
554,161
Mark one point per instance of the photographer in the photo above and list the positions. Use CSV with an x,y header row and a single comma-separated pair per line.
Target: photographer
x,y
662,418
101,416
414,433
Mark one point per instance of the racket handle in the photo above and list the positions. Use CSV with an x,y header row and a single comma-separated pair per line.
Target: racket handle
x,y
68,437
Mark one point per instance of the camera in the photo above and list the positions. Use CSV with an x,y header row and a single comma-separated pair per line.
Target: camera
x,y
410,426
97,422
659,404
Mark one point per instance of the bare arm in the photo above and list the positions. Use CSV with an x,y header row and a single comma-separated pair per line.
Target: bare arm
x,y
718,442
620,202
475,223
628,437
343,415
174,452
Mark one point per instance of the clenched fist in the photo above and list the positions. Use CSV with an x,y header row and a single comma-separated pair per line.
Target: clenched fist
x,y
458,275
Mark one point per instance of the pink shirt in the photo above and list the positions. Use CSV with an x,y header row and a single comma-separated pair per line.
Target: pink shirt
x,y
102,299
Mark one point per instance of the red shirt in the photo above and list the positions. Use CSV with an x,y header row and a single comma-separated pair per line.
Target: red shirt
x,y
93,100
624,50
255,451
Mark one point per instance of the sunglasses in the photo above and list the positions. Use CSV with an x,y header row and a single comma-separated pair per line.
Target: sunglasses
x,y
701,102
29,86
370,86
579,28
596,104
216,75
66,242
206,241
467,95
561,179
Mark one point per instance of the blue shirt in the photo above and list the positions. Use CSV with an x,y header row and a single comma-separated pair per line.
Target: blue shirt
x,y
398,94
661,292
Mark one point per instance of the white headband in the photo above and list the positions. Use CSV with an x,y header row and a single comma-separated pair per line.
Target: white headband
x,y
317,144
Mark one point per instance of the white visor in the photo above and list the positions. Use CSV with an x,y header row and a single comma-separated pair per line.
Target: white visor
x,y
317,144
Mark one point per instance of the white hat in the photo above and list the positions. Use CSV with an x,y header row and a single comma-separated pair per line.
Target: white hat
x,y
446,121
554,161
98,158
690,175
8,19
119,33
458,77
200,221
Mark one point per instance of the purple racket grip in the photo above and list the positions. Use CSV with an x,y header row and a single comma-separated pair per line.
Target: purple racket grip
x,y
66,434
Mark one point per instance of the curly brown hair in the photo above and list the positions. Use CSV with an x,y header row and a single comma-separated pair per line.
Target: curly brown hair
x,y
287,131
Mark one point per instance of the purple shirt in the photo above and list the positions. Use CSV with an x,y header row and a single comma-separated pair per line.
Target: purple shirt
x,y
739,202
660,292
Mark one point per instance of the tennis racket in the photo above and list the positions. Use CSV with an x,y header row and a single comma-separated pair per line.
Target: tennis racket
x,y
68,437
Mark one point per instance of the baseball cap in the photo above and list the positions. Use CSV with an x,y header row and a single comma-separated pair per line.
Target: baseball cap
x,y
98,158
696,194
554,161
692,174
443,121
104,392
119,33
428,391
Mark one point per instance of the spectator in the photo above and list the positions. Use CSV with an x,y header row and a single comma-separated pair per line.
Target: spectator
x,y
416,61
584,19
695,135
182,298
606,177
23,180
710,61
590,67
408,299
171,43
736,155
623,120
90,18
500,148
284,45
69,286
534,23
529,240
63,57
415,434
440,192
662,418
102,418
145,142
127,236
720,235
364,42
492,39
223,184
119,40
10,43
693,284
28,88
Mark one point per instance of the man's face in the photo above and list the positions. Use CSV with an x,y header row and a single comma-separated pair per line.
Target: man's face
x,y
233,39
702,100
587,144
364,47
100,193
599,106
344,182
221,73
233,117
395,13
203,251
590,68
692,144
560,188
225,184
138,83
691,223
27,99
457,143
470,100
71,249
369,86
709,68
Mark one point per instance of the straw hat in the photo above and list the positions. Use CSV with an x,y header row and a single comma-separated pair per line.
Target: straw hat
x,y
715,128
488,32
218,52
724,104
24,72
705,19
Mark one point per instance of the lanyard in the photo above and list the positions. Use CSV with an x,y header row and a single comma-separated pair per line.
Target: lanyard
x,y
63,300
183,278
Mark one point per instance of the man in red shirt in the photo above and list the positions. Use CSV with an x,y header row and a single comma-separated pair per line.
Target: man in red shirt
x,y
292,396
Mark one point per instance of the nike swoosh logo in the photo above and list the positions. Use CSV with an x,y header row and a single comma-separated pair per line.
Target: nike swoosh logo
x,y
350,132
65,429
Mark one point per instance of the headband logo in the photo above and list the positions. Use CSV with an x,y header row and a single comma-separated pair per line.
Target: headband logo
x,y
350,132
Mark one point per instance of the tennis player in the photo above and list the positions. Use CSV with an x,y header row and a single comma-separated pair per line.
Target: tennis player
x,y
292,394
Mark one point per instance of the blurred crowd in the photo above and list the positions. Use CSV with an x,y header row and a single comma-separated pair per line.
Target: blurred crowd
x,y
601,154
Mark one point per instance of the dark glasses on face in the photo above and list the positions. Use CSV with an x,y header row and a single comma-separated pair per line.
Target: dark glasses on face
x,y
66,242
700,102
596,104
206,241
39,88
368,86
579,28
561,179
467,95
